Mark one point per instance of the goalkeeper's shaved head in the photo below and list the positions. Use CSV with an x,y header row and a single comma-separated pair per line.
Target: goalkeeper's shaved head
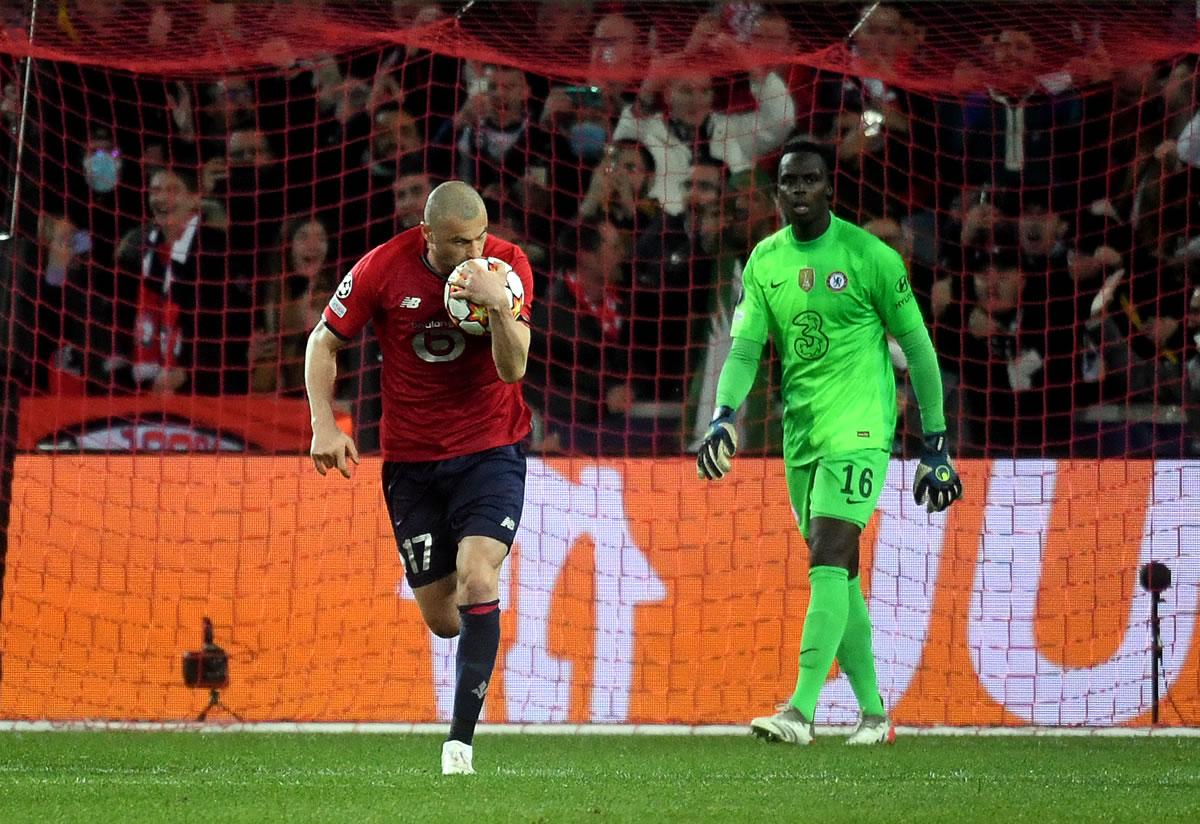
x,y
453,199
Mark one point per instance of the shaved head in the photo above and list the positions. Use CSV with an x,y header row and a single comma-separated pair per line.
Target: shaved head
x,y
453,199
455,225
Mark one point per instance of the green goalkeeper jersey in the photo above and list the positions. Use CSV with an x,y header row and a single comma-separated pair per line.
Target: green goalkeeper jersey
x,y
827,304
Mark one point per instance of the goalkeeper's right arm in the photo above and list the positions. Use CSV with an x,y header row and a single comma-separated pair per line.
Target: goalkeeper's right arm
x,y
737,377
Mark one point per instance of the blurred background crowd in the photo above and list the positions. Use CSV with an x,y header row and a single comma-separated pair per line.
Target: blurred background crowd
x,y
185,232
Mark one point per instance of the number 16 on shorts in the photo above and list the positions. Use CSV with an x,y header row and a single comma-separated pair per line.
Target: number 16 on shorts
x,y
845,486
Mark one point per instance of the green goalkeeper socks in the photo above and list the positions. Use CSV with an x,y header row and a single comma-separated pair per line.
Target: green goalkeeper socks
x,y
856,656
824,626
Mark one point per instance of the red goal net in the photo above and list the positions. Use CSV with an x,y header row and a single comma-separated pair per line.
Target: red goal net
x,y
185,183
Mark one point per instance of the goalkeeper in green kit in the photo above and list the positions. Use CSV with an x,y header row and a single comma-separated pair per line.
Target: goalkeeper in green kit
x,y
828,293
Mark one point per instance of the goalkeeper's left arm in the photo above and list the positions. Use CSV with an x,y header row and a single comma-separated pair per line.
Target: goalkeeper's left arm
x,y
936,483
737,377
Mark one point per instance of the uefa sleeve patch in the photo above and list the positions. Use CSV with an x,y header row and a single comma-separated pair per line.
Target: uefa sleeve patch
x,y
343,290
337,306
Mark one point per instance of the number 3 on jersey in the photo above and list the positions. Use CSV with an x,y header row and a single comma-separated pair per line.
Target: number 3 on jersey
x,y
809,341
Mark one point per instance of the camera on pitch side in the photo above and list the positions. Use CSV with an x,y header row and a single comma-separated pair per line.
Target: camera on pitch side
x,y
208,668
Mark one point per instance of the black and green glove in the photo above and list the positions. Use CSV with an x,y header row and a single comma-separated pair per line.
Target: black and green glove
x,y
936,484
715,457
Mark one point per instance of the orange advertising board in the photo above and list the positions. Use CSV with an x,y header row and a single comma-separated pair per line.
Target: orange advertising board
x,y
634,594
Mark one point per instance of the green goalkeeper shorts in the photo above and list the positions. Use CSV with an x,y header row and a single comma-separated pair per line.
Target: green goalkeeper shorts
x,y
843,486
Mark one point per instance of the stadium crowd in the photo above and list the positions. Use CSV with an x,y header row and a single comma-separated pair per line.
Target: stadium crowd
x,y
188,232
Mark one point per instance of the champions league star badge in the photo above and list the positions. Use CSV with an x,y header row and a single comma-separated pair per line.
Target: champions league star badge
x,y
807,277
836,281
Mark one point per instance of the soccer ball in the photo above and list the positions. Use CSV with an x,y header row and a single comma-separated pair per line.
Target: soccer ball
x,y
473,319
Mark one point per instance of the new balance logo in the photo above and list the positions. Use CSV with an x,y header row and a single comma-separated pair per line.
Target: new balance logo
x,y
410,303
509,523
480,691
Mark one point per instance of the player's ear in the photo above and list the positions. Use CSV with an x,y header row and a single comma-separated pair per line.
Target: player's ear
x,y
425,233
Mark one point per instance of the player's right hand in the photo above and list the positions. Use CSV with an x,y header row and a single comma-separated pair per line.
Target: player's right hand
x,y
333,448
715,457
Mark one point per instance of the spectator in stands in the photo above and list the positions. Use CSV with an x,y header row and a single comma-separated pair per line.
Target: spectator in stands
x,y
988,301
682,128
302,279
1023,129
1164,210
228,104
580,119
883,133
49,275
675,268
755,213
751,215
248,182
90,21
1122,123
498,145
562,28
343,133
578,378
10,103
181,317
1020,352
1147,308
394,136
424,84
1061,304
366,210
933,294
770,33
590,111
402,206
109,203
617,43
222,25
1043,235
619,191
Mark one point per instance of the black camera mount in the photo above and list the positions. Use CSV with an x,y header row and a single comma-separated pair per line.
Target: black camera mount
x,y
208,669
1155,578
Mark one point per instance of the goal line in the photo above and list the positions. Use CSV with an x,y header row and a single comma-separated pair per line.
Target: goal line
x,y
573,729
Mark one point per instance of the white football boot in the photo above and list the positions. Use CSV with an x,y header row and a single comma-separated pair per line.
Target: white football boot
x,y
788,726
456,758
873,729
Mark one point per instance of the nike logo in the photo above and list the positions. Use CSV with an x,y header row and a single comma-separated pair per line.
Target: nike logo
x,y
810,649
777,285
859,501
481,690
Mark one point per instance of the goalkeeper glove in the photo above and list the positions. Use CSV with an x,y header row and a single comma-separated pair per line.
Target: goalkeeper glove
x,y
936,484
718,447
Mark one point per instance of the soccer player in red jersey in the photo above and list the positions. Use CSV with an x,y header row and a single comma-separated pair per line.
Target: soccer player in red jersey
x,y
453,422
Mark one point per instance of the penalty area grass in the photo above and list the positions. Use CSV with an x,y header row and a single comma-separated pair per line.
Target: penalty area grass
x,y
139,776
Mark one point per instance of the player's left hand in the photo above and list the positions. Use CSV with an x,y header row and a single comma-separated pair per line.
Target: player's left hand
x,y
482,287
936,483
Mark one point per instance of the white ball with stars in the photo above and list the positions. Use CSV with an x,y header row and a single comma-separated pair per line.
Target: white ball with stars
x,y
471,318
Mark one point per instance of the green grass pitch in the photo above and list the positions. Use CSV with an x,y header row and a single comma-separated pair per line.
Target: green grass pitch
x,y
254,777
